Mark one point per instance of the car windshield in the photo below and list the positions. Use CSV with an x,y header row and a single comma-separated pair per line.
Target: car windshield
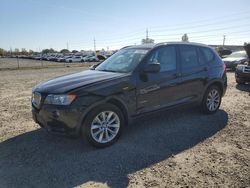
x,y
124,60
238,54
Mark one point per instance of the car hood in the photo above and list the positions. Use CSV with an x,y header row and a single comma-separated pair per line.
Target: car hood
x,y
70,82
231,59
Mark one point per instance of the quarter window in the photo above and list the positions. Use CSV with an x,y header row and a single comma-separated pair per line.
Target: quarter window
x,y
207,54
166,57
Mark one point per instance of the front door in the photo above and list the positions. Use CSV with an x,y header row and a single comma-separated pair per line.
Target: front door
x,y
161,89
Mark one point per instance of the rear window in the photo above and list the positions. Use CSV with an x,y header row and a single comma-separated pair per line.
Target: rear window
x,y
208,54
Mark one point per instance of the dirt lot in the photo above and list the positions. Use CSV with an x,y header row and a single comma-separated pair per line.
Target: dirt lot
x,y
178,148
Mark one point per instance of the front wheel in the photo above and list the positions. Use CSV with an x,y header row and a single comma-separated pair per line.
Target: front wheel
x,y
103,125
211,100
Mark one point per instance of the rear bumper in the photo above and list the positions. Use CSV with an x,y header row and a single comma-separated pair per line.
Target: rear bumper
x,y
58,121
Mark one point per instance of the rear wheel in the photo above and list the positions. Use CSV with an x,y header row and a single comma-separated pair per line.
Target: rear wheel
x,y
211,100
103,125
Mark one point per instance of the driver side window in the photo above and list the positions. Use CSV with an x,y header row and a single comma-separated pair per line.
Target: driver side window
x,y
166,57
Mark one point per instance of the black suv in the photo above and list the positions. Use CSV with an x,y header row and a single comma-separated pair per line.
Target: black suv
x,y
99,103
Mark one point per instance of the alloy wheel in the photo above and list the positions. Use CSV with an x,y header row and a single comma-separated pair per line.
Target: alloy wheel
x,y
105,126
213,100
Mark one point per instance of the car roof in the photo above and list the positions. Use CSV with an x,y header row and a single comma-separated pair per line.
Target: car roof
x,y
151,46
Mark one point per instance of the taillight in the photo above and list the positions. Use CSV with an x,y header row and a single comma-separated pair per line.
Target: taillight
x,y
225,67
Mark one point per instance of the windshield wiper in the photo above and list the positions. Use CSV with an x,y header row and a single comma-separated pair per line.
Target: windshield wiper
x,y
106,70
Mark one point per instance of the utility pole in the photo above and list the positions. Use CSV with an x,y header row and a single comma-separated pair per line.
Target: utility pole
x,y
147,34
224,39
94,46
67,46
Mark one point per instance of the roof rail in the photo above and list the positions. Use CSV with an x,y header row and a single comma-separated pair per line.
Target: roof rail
x,y
127,46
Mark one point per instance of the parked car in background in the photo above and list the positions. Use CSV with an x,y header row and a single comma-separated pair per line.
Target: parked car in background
x,y
75,59
101,57
223,52
38,57
98,104
242,73
63,58
91,59
235,59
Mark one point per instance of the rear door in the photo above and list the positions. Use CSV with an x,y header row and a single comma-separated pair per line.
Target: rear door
x,y
194,72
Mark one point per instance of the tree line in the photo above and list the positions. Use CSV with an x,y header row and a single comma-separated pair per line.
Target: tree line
x,y
23,51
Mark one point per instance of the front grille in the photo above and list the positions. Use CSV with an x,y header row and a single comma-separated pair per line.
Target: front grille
x,y
246,69
36,99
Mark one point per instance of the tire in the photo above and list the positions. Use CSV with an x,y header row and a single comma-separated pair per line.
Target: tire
x,y
211,100
100,133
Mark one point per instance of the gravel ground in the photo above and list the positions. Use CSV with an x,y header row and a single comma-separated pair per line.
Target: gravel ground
x,y
178,148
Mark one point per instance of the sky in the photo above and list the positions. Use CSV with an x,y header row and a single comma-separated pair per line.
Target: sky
x,y
75,24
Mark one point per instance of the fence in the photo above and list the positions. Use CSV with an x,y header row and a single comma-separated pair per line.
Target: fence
x,y
18,63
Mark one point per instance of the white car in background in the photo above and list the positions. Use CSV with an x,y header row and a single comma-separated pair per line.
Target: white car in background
x,y
63,58
74,59
235,59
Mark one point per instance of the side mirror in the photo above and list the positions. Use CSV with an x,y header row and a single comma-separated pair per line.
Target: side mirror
x,y
92,67
152,68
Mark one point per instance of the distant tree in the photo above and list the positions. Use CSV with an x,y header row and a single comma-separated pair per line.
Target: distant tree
x,y
184,38
24,51
46,51
16,51
147,41
64,51
2,52
74,51
31,52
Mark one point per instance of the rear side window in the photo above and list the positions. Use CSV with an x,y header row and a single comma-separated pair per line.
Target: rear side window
x,y
189,56
208,54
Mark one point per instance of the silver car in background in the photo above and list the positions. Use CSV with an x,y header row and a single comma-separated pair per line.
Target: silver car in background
x,y
235,59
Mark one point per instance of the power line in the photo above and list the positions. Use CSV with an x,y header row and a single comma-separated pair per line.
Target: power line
x,y
205,20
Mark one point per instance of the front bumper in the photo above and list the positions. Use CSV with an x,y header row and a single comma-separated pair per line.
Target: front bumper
x,y
239,75
58,120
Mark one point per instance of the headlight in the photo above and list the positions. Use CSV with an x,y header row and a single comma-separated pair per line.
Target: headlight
x,y
59,99
240,67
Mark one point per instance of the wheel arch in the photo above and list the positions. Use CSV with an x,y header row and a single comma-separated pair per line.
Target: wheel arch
x,y
217,83
111,100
